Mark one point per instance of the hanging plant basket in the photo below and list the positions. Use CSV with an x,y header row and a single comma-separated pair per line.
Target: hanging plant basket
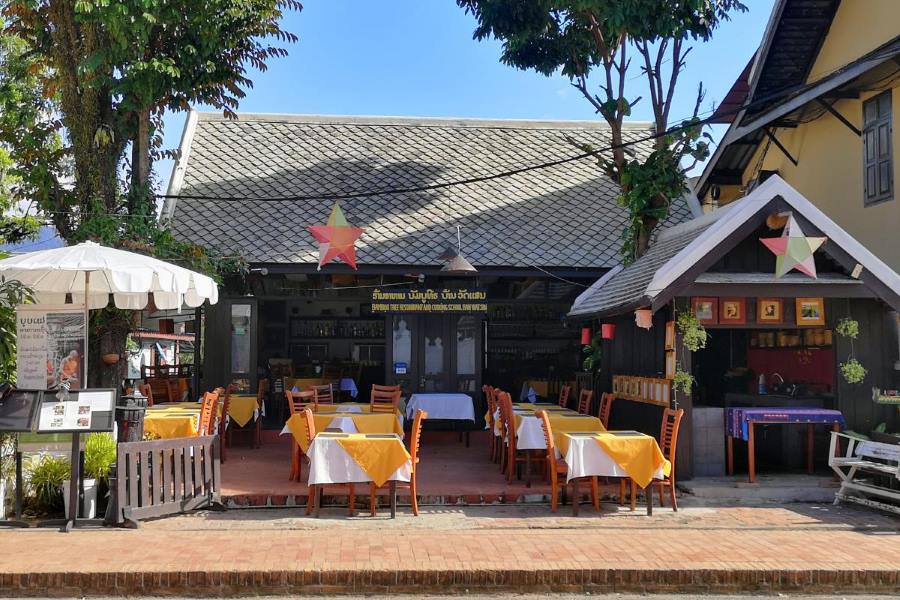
x,y
110,359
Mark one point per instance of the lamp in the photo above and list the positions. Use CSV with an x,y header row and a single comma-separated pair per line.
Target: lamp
x,y
643,318
585,336
607,331
458,265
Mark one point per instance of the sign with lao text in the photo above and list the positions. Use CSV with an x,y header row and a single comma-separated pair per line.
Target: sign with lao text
x,y
429,300
50,346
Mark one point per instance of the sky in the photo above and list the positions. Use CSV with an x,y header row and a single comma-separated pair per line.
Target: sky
x,y
418,58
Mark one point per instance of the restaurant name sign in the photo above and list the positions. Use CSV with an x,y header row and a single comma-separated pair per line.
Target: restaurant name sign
x,y
429,301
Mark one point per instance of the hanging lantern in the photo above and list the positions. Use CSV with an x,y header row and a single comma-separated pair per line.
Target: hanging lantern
x,y
585,336
643,317
608,331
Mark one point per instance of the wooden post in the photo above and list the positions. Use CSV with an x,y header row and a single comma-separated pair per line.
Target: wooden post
x,y
729,453
809,448
751,454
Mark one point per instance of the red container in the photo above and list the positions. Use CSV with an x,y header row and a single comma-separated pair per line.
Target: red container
x,y
608,331
585,336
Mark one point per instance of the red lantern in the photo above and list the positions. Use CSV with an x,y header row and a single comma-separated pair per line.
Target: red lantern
x,y
585,336
608,331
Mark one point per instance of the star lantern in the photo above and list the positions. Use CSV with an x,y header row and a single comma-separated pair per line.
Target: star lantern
x,y
794,250
337,239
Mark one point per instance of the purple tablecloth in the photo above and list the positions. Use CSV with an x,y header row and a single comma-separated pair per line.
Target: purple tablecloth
x,y
737,419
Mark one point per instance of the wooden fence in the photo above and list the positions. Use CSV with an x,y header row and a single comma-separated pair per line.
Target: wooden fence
x,y
164,477
648,390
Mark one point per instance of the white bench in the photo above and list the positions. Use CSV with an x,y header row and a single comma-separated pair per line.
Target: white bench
x,y
859,469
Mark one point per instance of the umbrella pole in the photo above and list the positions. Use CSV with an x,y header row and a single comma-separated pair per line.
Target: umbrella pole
x,y
87,308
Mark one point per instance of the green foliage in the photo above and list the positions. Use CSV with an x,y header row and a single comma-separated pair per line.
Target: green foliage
x,y
592,354
582,37
852,371
682,380
848,328
46,474
12,293
99,454
693,334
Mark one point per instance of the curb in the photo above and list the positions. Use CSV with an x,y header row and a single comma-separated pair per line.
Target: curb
x,y
418,582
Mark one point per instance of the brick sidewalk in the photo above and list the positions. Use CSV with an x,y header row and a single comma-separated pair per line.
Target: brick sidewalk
x,y
513,548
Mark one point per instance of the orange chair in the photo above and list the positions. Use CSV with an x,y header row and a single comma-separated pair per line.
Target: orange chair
x,y
564,393
147,392
514,457
584,401
224,425
384,398
606,401
208,413
668,441
324,393
558,466
297,403
488,392
309,424
415,437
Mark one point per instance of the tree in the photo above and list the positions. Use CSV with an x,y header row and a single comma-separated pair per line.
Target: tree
x,y
584,37
105,72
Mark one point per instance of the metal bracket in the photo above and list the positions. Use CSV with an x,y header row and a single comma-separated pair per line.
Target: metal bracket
x,y
824,104
775,141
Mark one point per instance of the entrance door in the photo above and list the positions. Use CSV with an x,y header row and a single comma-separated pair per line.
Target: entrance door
x,y
435,353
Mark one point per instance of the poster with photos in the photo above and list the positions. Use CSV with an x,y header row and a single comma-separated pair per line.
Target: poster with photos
x,y
50,346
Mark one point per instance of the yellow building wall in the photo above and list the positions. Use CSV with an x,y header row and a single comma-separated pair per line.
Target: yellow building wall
x,y
859,26
830,175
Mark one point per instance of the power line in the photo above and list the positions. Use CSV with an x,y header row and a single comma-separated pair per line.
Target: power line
x,y
784,92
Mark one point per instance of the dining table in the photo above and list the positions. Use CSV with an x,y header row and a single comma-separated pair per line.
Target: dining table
x,y
619,454
445,406
359,419
172,420
342,458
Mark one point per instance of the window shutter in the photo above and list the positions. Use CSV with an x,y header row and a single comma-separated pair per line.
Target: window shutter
x,y
878,149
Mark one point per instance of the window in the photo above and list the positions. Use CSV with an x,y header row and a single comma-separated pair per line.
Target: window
x,y
877,160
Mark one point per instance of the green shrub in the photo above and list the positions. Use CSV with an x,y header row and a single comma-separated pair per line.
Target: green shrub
x,y
99,454
46,474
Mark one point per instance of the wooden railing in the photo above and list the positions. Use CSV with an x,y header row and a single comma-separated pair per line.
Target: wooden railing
x,y
164,477
648,390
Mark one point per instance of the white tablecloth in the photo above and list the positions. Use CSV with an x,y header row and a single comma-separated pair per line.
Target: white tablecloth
x,y
530,434
456,407
586,458
330,463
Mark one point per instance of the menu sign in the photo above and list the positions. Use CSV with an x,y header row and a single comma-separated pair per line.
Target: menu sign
x,y
429,301
84,410
50,346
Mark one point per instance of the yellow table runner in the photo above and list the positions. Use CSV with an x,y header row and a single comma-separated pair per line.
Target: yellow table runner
x,y
377,457
638,455
242,408
566,423
365,423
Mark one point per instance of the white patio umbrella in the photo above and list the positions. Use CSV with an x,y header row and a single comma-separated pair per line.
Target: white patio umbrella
x,y
91,272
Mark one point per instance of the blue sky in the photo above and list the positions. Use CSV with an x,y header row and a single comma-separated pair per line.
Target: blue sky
x,y
418,58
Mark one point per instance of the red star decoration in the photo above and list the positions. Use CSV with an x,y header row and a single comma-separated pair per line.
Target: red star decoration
x,y
337,239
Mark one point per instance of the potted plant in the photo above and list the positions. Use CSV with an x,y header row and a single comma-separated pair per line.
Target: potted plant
x,y
99,455
46,474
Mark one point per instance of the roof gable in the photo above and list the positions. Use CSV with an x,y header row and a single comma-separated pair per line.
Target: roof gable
x,y
560,216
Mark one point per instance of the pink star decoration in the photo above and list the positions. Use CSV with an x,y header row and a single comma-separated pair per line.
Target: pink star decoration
x,y
794,250
337,239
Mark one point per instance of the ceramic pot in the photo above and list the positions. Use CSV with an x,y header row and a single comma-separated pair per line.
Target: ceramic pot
x,y
110,359
90,498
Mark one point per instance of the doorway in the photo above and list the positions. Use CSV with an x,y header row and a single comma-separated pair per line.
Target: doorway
x,y
435,353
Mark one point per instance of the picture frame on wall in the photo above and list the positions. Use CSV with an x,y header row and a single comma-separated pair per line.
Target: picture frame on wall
x,y
670,335
810,311
670,364
732,311
769,310
706,310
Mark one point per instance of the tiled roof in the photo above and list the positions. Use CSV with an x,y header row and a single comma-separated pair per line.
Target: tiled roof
x,y
563,216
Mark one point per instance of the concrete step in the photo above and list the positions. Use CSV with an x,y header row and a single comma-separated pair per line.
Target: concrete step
x,y
768,489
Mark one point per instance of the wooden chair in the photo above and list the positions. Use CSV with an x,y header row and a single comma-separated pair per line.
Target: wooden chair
x,y
584,401
606,402
488,392
324,393
147,392
208,408
298,402
309,424
224,425
513,456
385,398
564,393
253,428
557,466
262,390
415,437
668,441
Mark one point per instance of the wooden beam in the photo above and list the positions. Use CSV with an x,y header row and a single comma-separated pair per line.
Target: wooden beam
x,y
775,141
827,106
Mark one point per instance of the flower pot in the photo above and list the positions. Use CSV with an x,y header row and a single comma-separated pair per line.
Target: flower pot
x,y
90,498
110,359
643,318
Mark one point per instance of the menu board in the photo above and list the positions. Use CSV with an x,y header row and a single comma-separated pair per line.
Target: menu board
x,y
50,346
84,410
17,410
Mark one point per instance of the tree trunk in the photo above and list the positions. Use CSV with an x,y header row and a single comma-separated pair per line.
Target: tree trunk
x,y
140,150
110,339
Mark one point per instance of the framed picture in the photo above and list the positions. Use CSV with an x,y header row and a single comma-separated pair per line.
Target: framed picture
x,y
769,310
810,311
670,335
706,310
670,364
732,311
